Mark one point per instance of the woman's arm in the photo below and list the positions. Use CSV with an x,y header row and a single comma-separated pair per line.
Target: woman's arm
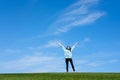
x,y
60,44
74,46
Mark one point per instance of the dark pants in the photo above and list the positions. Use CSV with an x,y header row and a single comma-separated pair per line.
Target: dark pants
x,y
69,60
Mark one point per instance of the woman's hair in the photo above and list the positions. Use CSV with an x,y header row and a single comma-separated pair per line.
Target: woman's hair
x,y
68,48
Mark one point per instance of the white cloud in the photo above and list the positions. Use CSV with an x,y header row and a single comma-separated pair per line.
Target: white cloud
x,y
12,51
83,2
43,63
8,52
88,19
114,61
25,62
84,42
78,14
87,39
49,44
96,64
80,62
99,63
80,7
33,63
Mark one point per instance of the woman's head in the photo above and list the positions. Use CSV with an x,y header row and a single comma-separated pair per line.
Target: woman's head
x,y
68,48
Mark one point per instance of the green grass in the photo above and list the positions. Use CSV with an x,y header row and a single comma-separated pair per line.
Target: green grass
x,y
61,76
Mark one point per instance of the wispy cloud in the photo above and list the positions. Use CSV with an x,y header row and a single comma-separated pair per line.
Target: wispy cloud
x,y
87,39
98,59
84,42
49,44
78,14
53,44
25,62
102,62
42,63
12,51
34,62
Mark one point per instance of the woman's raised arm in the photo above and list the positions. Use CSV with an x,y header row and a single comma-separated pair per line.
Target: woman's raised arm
x,y
60,44
74,46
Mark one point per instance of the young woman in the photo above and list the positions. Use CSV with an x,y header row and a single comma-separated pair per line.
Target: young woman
x,y
68,55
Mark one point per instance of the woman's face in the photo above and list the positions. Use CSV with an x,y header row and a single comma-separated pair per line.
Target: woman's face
x,y
68,48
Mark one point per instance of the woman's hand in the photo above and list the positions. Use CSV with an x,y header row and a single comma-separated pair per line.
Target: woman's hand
x,y
59,43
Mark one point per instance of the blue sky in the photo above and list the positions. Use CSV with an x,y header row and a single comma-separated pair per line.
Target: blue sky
x,y
30,29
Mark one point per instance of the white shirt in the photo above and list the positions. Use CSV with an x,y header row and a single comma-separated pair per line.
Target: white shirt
x,y
67,53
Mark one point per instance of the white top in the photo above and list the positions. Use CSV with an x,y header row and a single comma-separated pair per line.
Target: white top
x,y
67,53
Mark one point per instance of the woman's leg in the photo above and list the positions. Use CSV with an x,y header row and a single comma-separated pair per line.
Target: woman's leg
x,y
72,65
66,61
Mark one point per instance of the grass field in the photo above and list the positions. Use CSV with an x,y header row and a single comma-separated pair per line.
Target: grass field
x,y
61,76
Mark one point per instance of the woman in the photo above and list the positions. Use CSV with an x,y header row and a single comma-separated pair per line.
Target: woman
x,y
68,55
